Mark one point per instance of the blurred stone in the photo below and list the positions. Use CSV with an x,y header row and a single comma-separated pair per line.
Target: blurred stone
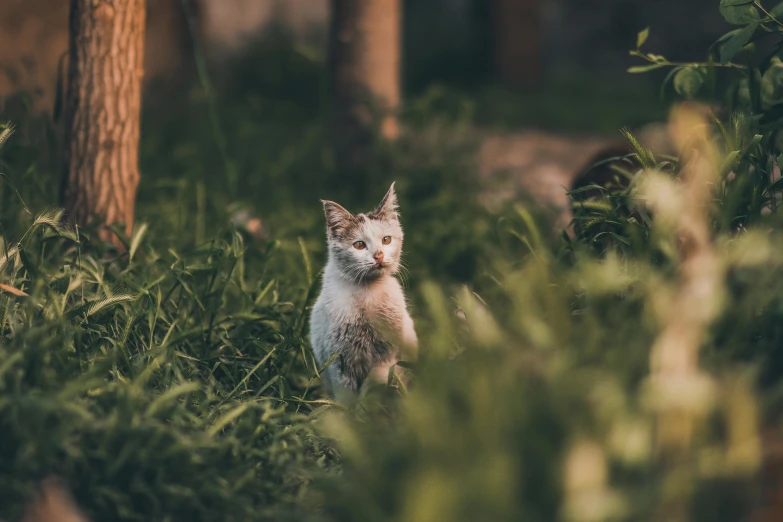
x,y
542,165
538,164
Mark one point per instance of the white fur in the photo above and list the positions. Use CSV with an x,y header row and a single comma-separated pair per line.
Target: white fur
x,y
356,296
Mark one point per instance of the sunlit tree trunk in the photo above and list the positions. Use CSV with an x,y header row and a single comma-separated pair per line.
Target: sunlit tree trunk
x,y
365,50
102,113
517,42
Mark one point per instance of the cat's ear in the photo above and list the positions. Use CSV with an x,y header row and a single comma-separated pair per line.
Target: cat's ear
x,y
388,206
338,220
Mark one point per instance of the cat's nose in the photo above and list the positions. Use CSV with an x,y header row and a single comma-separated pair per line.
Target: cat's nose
x,y
378,257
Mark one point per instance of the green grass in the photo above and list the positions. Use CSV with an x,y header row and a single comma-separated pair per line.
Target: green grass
x,y
170,384
177,383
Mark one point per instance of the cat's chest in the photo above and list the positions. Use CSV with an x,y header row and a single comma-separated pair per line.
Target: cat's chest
x,y
382,305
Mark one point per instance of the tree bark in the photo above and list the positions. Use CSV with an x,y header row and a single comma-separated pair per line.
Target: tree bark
x,y
517,42
102,114
365,49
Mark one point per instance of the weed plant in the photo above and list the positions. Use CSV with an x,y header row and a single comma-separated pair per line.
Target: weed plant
x,y
175,382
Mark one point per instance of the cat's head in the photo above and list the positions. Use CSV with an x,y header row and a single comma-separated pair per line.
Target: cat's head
x,y
365,246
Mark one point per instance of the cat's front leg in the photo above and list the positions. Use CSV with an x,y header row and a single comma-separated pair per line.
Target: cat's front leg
x,y
380,372
341,388
410,341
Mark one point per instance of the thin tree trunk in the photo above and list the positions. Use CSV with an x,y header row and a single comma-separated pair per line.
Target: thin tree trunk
x,y
365,49
102,114
517,42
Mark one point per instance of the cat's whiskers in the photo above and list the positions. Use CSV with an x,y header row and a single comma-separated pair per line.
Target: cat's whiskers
x,y
356,274
403,273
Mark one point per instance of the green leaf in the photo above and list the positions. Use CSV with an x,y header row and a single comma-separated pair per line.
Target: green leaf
x,y
254,370
644,68
729,163
6,130
743,92
739,13
9,362
138,234
116,296
688,82
29,263
642,37
171,395
228,418
777,11
734,44
771,87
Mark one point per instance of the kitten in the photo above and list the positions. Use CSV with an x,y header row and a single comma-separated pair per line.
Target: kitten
x,y
360,318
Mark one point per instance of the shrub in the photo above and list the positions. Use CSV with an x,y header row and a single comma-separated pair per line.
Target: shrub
x,y
176,382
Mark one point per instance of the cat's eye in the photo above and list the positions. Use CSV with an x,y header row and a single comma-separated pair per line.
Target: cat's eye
x,y
386,240
359,245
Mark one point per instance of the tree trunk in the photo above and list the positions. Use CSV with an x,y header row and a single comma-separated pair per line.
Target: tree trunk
x,y
517,42
365,51
102,114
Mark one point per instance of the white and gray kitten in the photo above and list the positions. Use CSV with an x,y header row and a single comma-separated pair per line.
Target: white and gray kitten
x,y
360,317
